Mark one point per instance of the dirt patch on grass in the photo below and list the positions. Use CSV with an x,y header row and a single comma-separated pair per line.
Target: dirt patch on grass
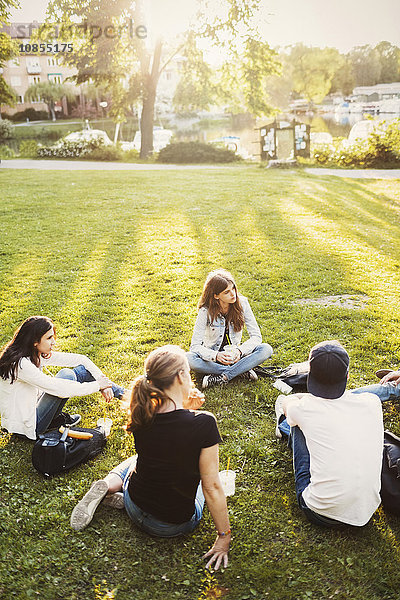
x,y
349,301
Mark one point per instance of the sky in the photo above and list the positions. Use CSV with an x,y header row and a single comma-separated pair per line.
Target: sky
x,y
335,23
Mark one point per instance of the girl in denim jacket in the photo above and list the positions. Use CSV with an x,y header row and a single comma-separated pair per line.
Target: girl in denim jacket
x,y
216,350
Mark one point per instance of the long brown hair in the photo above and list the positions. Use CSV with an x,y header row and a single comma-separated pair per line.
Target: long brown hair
x,y
148,393
23,345
217,281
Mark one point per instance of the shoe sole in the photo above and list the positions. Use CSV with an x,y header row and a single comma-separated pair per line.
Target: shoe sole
x,y
253,375
382,372
278,433
115,500
206,386
85,509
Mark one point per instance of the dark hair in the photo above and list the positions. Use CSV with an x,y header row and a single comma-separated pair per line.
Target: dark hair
x,y
148,393
23,345
217,281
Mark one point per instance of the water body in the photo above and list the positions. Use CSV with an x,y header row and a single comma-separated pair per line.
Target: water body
x,y
249,137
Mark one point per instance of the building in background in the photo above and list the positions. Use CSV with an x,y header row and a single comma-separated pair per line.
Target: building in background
x,y
32,67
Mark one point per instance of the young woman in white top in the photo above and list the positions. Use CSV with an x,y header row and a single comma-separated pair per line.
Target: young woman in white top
x,y
31,401
216,350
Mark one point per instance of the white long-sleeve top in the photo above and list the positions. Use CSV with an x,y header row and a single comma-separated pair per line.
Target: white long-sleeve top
x,y
18,399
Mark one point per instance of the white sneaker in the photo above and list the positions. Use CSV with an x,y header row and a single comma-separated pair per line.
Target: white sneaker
x,y
85,509
279,412
249,375
211,380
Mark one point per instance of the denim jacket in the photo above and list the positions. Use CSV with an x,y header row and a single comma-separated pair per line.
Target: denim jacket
x,y
207,337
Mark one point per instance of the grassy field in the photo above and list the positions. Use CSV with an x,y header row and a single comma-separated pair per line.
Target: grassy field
x,y
118,261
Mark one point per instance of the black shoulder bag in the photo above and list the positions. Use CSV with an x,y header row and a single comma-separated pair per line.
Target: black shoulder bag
x,y
56,452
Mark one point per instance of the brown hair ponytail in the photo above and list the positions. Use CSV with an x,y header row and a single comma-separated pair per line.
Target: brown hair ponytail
x,y
148,393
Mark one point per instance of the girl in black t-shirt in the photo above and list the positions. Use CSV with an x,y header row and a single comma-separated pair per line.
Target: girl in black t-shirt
x,y
176,469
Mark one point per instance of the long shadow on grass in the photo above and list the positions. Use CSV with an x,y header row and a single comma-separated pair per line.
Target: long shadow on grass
x,y
372,218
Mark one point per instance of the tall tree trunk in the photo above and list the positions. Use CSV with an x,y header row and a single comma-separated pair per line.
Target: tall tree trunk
x,y
149,98
52,111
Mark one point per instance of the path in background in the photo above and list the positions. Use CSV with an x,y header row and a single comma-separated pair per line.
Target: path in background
x,y
358,173
84,165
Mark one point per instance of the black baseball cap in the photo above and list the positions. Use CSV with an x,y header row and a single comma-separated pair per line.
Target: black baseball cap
x,y
329,366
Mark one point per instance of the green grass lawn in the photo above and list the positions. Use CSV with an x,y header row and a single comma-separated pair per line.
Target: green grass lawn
x,y
118,261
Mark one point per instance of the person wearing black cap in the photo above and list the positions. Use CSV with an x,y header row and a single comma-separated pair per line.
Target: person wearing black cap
x,y
337,440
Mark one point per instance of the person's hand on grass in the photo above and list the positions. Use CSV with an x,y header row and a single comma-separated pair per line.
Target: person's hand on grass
x,y
106,388
218,553
393,377
107,394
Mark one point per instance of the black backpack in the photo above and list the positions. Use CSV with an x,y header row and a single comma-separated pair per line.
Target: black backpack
x,y
390,479
56,452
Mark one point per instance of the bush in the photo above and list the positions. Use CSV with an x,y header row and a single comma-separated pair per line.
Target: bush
x,y
28,149
34,132
380,150
6,129
6,152
195,152
69,149
105,153
31,114
131,155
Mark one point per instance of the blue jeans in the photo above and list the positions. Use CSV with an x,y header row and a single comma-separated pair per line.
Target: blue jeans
x,y
146,521
302,477
206,367
49,406
384,392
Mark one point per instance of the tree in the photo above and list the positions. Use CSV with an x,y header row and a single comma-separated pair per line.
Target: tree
x,y
312,70
239,83
389,58
196,89
244,78
366,65
8,49
49,93
112,60
343,80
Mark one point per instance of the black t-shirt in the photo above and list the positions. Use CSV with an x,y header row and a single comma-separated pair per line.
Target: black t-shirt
x,y
167,472
225,340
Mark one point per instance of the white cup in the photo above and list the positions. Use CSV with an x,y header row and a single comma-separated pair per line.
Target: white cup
x,y
282,386
105,424
227,479
232,350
